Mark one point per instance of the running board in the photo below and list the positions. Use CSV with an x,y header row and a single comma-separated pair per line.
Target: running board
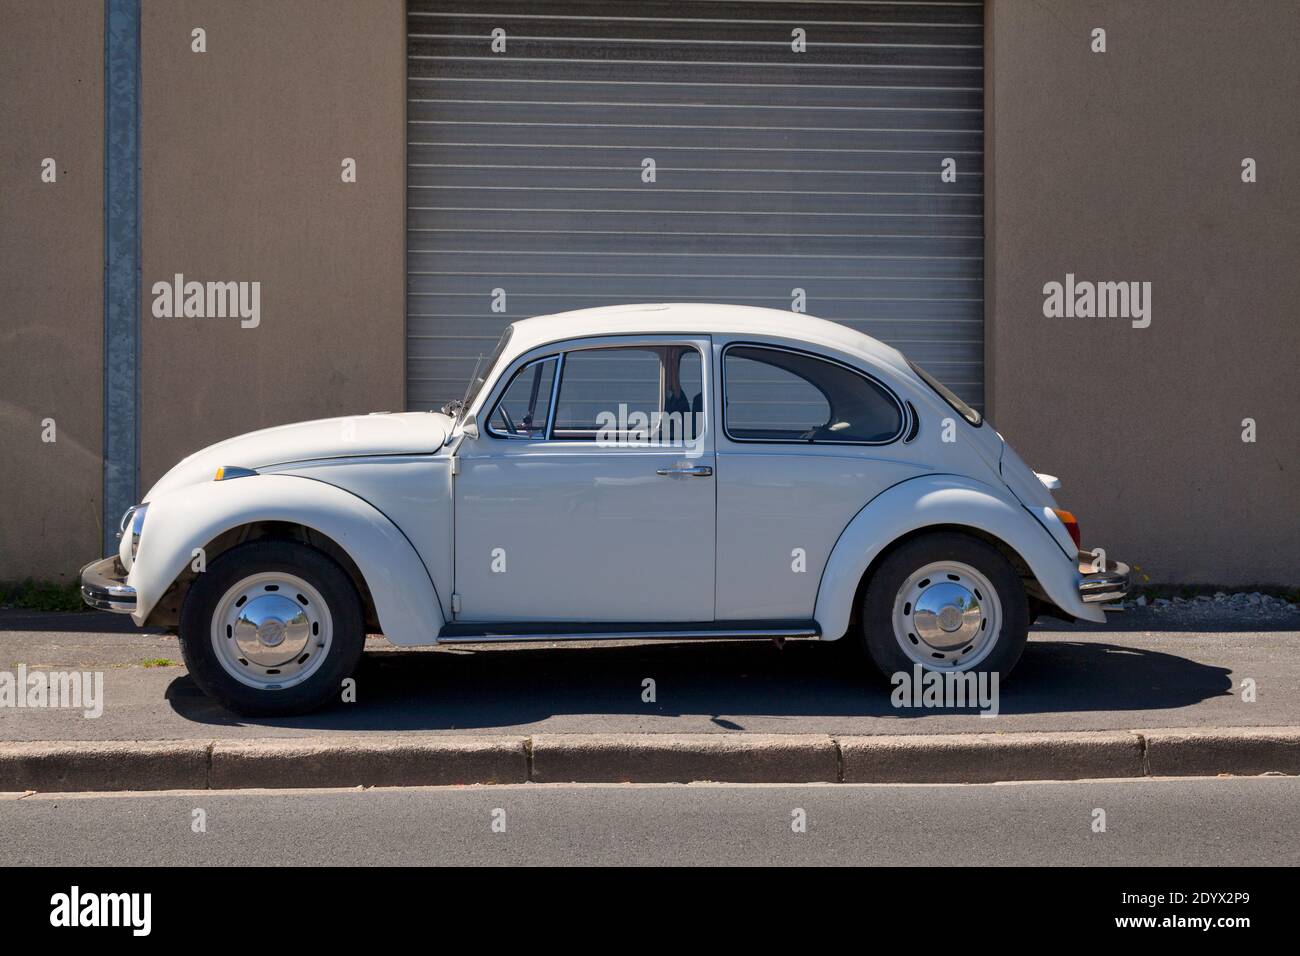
x,y
477,633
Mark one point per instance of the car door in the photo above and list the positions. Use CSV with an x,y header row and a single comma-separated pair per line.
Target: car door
x,y
805,442
588,495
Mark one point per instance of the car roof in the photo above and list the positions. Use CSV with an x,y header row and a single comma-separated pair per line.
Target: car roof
x,y
733,321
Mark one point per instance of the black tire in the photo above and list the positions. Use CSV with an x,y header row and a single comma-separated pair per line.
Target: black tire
x,y
878,600
318,570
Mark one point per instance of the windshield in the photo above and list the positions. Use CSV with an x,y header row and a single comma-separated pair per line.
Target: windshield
x,y
481,372
958,406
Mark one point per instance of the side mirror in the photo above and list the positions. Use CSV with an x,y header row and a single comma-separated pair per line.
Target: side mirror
x,y
469,428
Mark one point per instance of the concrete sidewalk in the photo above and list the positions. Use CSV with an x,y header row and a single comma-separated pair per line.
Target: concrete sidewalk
x,y
1083,703
1068,680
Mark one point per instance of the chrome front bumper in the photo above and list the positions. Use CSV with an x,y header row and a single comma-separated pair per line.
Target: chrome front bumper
x,y
1102,586
103,586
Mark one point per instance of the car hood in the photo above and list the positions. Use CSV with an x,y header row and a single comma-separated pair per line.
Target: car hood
x,y
356,436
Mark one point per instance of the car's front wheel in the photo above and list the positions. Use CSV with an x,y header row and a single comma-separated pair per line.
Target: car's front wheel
x,y
947,602
272,628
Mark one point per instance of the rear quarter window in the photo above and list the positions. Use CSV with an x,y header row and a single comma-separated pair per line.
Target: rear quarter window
x,y
782,395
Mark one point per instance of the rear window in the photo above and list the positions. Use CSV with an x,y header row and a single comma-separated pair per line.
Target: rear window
x,y
958,406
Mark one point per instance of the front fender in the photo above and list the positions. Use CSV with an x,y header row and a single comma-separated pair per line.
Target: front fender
x,y
932,501
188,518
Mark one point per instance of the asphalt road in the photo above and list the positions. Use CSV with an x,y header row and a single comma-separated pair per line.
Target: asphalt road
x,y
1069,679
1220,822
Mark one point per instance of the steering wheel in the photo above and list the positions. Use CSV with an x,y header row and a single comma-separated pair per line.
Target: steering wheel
x,y
826,431
817,431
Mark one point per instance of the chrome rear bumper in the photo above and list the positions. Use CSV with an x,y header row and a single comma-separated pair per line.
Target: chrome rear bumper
x,y
103,586
1100,586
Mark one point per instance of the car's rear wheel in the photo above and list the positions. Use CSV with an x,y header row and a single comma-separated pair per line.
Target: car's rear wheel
x,y
947,602
272,628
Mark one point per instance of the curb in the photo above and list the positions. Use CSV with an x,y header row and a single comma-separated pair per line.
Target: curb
x,y
422,762
644,758
1244,752
989,758
684,758
132,765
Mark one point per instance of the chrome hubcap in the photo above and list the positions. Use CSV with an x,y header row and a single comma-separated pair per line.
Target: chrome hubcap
x,y
271,630
947,616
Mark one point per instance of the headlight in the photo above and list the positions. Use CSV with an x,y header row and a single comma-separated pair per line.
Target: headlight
x,y
135,518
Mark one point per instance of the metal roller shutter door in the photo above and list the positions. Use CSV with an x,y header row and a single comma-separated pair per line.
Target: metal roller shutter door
x,y
775,169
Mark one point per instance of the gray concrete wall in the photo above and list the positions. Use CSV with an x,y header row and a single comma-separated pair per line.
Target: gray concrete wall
x,y
241,153
51,285
1126,165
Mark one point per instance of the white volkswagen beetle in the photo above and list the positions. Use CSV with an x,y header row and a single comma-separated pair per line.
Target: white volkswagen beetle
x,y
653,471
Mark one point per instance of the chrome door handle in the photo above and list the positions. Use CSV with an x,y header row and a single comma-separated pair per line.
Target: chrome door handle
x,y
695,471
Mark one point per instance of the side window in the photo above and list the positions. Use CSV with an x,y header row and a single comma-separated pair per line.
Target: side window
x,y
768,401
638,394
525,406
776,395
683,395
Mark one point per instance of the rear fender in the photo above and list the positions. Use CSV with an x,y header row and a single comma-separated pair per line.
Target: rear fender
x,y
934,501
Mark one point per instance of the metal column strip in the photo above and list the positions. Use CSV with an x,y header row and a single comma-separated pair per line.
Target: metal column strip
x,y
121,261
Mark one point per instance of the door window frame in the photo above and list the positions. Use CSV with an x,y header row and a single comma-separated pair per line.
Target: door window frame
x,y
700,343
510,381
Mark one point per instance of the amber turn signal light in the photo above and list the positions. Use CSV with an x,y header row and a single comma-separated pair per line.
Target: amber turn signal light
x,y
1071,524
226,472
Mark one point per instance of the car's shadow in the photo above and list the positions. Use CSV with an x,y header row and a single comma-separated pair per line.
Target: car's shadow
x,y
465,688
